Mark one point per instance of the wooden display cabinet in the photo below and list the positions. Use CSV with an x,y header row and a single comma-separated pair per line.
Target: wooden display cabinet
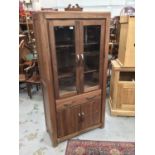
x,y
73,49
126,53
122,90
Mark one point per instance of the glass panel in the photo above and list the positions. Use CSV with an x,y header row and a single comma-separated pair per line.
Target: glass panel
x,y
91,55
65,52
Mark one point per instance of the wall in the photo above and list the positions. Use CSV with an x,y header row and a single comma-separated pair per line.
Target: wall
x,y
114,6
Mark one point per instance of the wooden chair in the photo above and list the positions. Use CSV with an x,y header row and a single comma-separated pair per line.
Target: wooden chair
x,y
28,69
23,75
23,64
34,79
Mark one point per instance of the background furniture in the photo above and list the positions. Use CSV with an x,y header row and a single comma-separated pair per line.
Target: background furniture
x,y
34,79
28,67
73,50
126,54
122,90
23,62
122,84
73,8
127,11
113,44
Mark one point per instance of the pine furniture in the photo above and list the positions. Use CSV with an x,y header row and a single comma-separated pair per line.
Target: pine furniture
x,y
122,90
126,53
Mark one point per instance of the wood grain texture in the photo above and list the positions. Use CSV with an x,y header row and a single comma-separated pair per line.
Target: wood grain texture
x,y
79,132
90,113
122,90
41,33
120,112
130,45
68,121
78,99
71,115
76,15
126,54
104,71
126,94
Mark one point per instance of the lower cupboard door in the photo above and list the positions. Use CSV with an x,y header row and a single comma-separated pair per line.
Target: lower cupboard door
x,y
90,113
68,121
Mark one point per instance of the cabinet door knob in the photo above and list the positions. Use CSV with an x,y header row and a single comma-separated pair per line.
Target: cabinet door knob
x,y
79,114
82,113
82,116
77,58
82,58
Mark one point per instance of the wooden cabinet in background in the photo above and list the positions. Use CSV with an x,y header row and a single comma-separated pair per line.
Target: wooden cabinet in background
x,y
126,53
122,90
73,50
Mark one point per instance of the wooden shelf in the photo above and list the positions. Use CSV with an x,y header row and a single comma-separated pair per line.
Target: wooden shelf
x,y
91,43
24,23
70,74
91,53
62,46
90,71
71,45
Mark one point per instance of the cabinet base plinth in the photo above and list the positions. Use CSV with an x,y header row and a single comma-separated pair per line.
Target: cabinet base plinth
x,y
78,133
120,112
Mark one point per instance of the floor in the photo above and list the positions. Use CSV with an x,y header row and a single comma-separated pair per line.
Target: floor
x,y
34,140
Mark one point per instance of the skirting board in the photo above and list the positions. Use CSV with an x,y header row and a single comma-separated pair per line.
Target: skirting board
x,y
120,112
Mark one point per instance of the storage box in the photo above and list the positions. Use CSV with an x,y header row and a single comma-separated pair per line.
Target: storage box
x,y
122,90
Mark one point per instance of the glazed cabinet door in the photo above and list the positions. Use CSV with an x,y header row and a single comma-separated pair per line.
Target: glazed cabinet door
x,y
68,120
91,52
63,36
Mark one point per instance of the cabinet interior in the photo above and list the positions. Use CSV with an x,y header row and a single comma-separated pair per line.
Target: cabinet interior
x,y
66,56
127,76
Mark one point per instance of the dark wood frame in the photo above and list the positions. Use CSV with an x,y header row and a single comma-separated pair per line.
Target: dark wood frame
x,y
45,46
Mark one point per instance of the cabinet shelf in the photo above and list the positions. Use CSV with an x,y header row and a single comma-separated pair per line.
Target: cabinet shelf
x,y
70,74
64,46
91,53
90,71
71,45
91,43
24,23
65,75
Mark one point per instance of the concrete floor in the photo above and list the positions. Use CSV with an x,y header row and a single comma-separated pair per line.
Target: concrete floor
x,y
34,139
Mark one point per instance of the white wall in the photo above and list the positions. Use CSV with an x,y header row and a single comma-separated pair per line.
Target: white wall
x,y
114,6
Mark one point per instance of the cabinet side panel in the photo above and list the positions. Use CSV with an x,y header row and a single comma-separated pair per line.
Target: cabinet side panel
x,y
104,72
126,95
130,48
41,35
122,42
41,70
112,85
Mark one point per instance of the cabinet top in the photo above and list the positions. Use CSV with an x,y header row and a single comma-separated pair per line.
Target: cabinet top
x,y
71,14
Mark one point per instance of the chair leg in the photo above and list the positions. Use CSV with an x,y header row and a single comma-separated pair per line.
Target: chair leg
x,y
29,90
37,86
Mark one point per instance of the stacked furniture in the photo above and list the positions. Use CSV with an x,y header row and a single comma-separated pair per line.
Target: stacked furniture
x,y
122,86
73,51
